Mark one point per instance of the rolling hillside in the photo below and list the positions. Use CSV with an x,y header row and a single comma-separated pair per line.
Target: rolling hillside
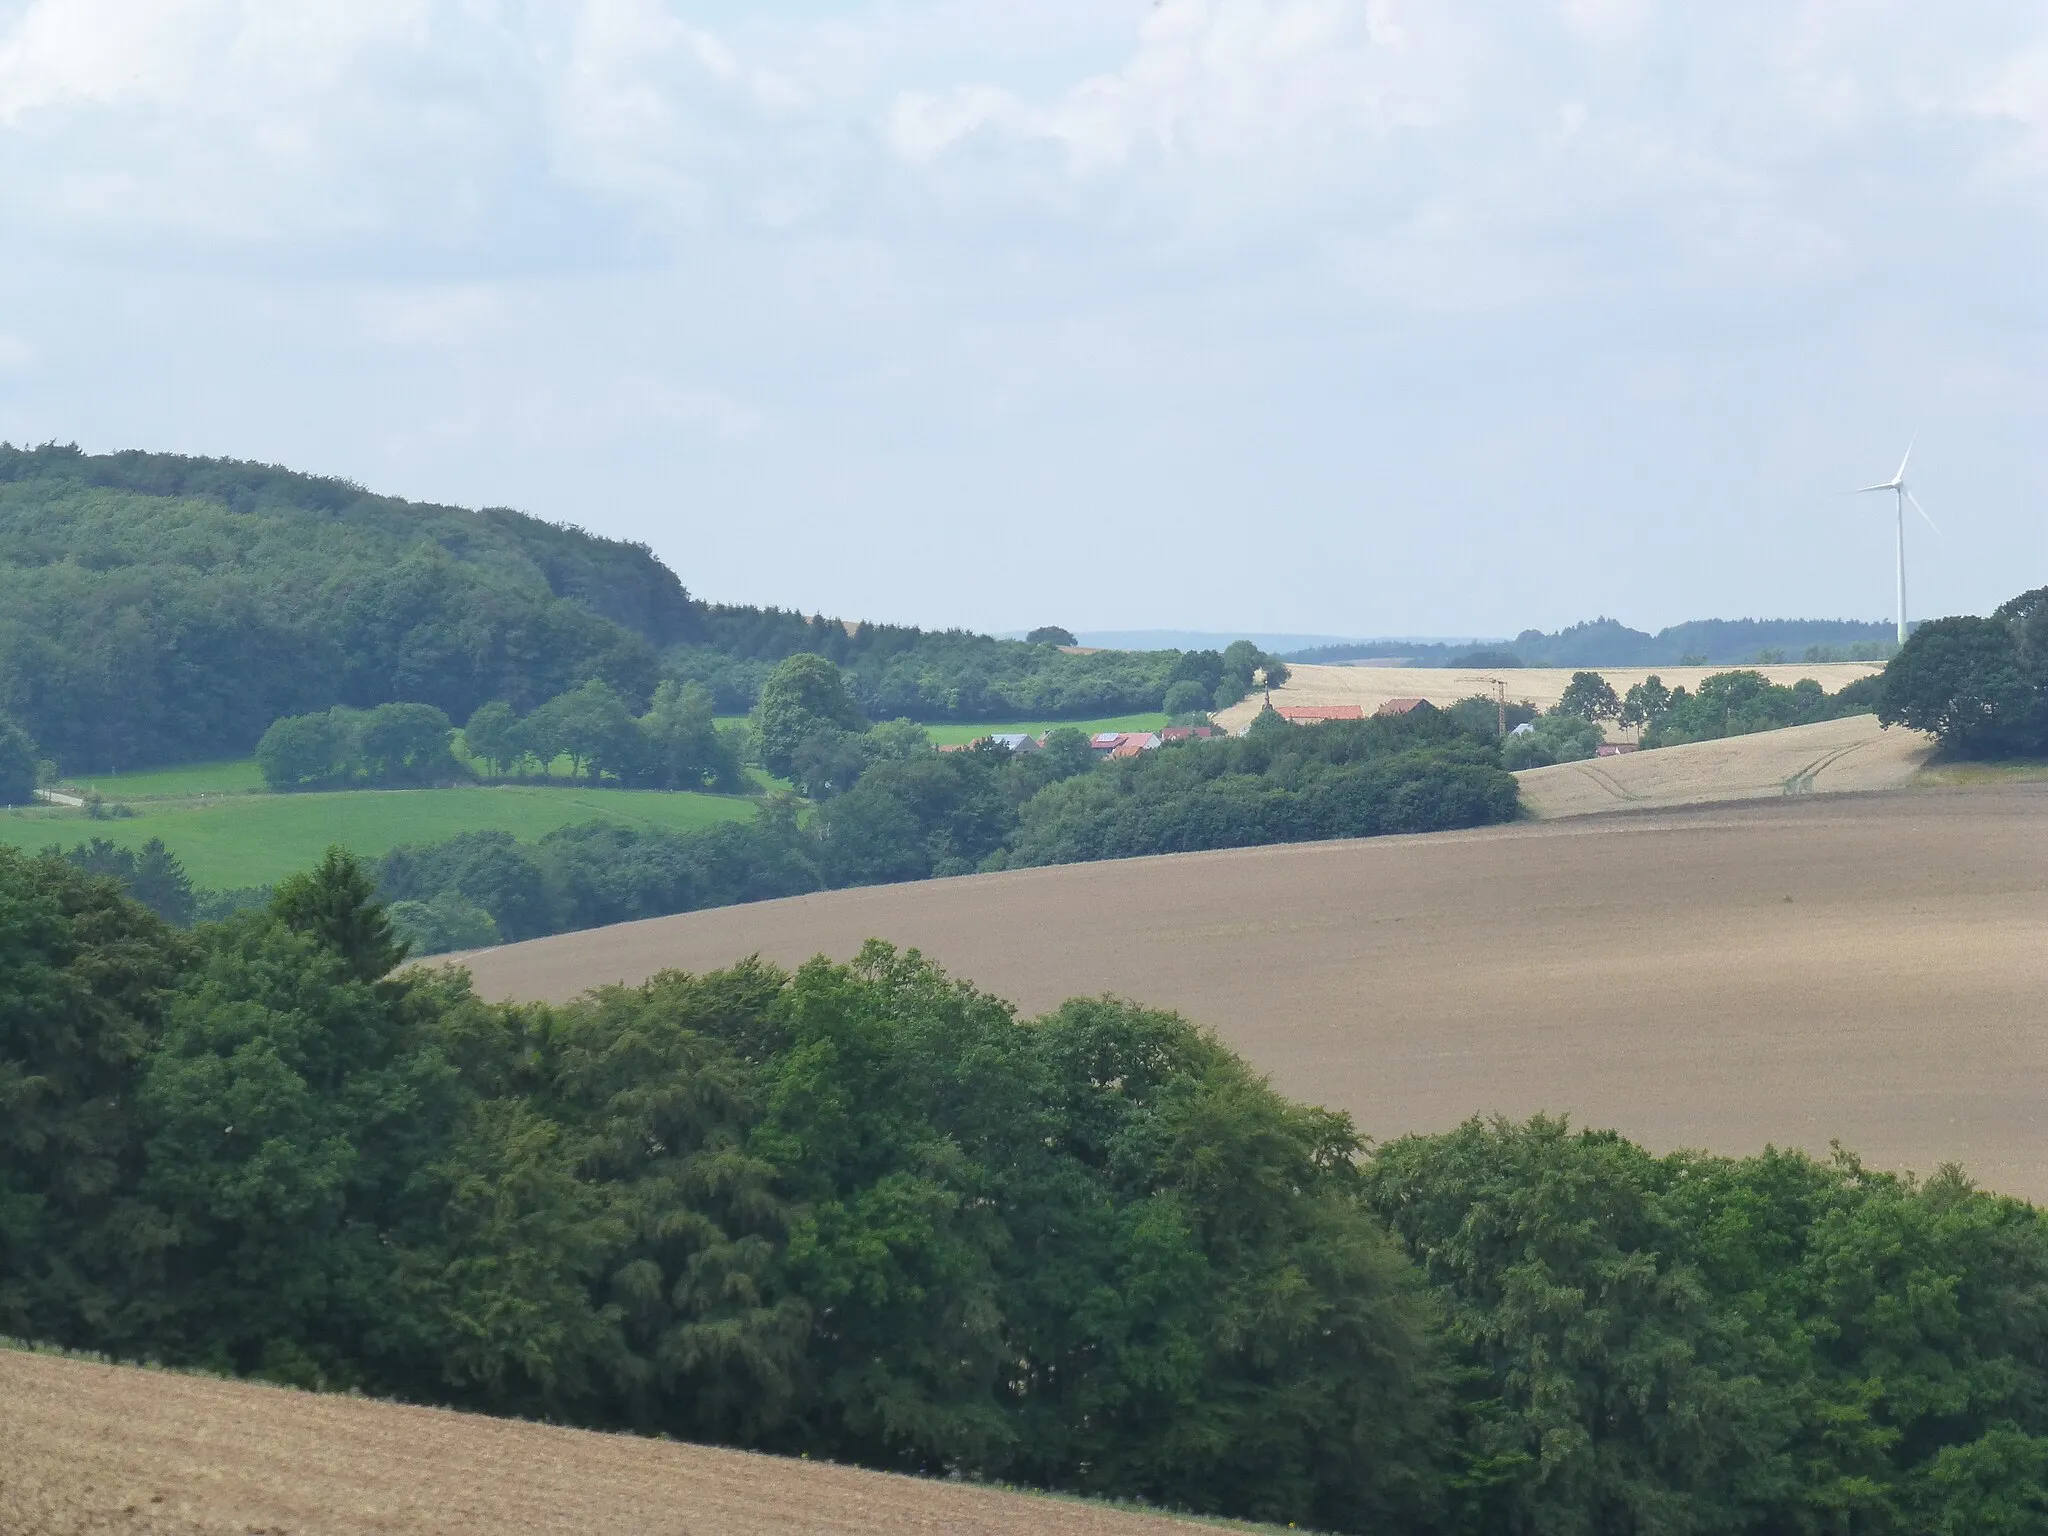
x,y
1831,757
1862,968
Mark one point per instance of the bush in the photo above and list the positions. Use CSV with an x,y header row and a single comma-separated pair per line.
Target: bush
x,y
448,922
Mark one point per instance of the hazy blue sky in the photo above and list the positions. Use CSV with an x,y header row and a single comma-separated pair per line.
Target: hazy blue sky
x,y
1306,315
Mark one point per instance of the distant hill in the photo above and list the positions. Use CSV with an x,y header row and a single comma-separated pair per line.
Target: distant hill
x,y
1216,640
1607,642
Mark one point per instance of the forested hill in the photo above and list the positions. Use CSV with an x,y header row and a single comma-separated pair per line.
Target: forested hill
x,y
156,608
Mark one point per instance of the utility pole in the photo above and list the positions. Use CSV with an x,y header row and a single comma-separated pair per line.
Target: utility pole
x,y
1501,690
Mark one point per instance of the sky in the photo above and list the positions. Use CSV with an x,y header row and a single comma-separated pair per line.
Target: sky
x,y
1348,317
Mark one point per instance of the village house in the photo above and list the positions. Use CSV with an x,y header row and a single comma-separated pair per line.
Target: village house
x,y
1120,744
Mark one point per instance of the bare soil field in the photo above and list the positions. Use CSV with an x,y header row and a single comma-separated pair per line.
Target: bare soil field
x,y
1868,968
1831,757
1370,687
102,1448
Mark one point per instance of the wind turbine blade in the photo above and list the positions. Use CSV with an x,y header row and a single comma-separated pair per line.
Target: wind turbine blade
x,y
1924,517
1889,485
1909,454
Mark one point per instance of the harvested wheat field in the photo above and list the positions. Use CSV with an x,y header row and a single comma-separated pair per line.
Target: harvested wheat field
x,y
1832,757
102,1448
1370,687
1862,967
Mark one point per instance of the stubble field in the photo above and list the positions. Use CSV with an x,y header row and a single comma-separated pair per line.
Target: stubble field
x,y
1830,757
1862,968
98,1448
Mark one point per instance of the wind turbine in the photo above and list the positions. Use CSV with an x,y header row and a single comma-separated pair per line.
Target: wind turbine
x,y
1900,496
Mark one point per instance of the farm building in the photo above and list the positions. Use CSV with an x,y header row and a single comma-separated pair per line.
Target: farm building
x,y
1190,733
1404,707
1016,741
1614,748
1120,744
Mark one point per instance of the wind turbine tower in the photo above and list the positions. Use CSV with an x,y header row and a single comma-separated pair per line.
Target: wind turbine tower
x,y
1900,496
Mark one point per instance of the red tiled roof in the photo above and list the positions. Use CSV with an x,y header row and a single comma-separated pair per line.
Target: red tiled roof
x,y
1316,714
1403,706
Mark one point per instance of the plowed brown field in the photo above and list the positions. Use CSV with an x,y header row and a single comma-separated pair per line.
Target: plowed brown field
x,y
102,1448
1868,968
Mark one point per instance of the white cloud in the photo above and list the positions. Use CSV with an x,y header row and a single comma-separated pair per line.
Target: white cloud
x,y
1139,265
1229,78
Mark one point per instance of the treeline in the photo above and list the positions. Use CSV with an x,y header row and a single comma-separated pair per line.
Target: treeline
x,y
156,608
900,811
864,1212
1276,784
1741,703
1734,703
894,671
675,745
1607,642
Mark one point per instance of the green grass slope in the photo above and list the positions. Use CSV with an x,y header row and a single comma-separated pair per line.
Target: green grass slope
x,y
240,839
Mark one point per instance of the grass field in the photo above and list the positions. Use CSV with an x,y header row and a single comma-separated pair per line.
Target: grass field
x,y
103,1448
1861,967
240,839
236,776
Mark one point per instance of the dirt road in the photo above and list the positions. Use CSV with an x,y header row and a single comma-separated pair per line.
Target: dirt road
x,y
1868,968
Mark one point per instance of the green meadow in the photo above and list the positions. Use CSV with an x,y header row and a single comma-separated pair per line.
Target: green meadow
x,y
227,838
229,831
236,776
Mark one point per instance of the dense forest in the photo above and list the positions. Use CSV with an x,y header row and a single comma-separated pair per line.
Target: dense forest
x,y
865,1212
155,608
